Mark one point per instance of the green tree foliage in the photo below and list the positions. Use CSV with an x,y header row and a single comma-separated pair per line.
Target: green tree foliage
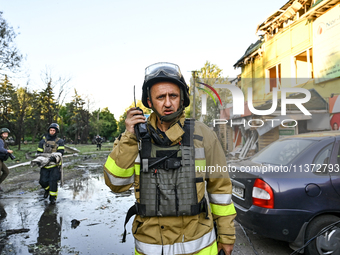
x,y
44,106
80,119
10,58
49,105
28,114
15,105
8,102
211,74
141,106
35,125
24,99
121,124
103,123
66,121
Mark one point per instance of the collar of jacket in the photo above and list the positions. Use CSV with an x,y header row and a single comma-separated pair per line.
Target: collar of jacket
x,y
50,138
175,131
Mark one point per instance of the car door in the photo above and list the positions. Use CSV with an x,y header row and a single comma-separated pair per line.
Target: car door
x,y
335,170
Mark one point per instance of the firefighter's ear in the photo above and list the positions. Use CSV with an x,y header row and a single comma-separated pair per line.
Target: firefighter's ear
x,y
149,102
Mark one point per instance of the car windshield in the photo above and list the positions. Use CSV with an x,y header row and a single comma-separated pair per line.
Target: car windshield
x,y
281,152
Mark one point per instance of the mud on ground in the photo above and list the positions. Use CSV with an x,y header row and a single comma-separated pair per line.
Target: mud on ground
x,y
26,179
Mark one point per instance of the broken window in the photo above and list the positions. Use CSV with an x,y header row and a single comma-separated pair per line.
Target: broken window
x,y
303,67
274,75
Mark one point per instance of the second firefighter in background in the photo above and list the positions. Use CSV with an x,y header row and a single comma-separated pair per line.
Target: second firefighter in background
x,y
51,173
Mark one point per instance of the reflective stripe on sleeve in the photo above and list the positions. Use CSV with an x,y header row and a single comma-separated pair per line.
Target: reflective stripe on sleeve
x,y
137,169
61,148
200,165
223,210
118,181
116,170
137,165
199,153
137,160
220,198
40,149
205,244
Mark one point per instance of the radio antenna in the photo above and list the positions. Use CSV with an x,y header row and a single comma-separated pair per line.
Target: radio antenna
x,y
134,95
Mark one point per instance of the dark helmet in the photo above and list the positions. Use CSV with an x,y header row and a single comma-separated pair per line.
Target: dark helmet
x,y
4,130
164,71
55,126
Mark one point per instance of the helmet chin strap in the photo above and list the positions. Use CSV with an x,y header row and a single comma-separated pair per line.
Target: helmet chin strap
x,y
171,117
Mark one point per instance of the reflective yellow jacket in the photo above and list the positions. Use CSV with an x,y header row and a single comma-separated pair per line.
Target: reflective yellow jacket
x,y
183,234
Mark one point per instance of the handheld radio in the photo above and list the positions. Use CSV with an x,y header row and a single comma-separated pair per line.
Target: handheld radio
x,y
140,128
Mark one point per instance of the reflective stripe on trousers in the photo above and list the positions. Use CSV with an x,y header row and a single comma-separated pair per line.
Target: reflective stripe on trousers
x,y
220,198
205,244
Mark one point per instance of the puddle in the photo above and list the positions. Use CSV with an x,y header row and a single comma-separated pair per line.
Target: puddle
x,y
52,229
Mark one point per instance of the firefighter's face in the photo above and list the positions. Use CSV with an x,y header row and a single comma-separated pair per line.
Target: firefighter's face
x,y
165,97
4,135
52,131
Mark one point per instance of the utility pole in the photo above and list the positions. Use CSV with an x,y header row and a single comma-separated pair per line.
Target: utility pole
x,y
98,121
193,73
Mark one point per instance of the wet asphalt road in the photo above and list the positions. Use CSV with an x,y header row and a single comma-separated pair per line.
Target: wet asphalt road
x,y
100,215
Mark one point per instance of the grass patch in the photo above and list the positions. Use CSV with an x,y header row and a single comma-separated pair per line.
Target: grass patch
x,y
86,148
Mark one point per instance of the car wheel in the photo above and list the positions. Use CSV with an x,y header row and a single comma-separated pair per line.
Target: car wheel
x,y
326,243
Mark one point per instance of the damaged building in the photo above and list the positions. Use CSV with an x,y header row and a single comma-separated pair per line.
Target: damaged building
x,y
297,49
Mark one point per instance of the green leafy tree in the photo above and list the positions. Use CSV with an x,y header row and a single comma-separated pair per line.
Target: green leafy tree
x,y
10,58
80,119
49,105
34,123
8,98
121,124
66,120
14,108
22,110
56,88
108,124
211,74
96,123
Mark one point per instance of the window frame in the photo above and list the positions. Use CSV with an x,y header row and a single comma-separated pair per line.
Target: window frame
x,y
295,81
278,77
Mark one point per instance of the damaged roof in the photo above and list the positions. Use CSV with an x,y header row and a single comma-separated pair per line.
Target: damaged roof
x,y
251,49
311,10
275,16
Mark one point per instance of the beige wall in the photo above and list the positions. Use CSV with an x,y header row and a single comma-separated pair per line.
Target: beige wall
x,y
281,49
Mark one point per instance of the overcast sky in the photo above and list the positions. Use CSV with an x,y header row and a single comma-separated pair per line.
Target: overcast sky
x,y
105,45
